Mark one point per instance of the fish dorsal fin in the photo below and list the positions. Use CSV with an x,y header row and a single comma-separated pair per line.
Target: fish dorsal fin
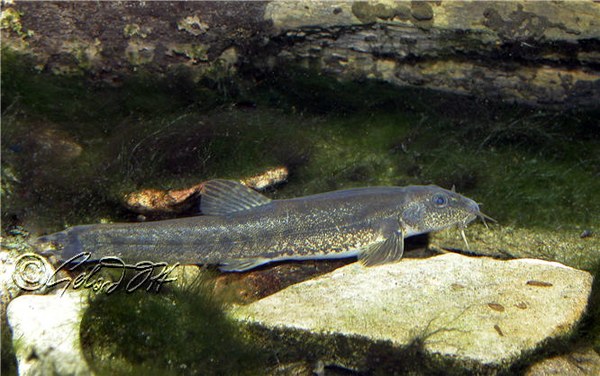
x,y
383,252
219,197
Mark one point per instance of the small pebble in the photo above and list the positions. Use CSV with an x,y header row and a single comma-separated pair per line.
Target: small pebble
x,y
496,307
521,305
497,327
539,283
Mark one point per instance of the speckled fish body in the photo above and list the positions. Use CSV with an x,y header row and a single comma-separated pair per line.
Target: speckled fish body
x,y
242,229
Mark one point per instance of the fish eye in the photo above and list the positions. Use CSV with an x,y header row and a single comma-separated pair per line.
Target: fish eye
x,y
440,200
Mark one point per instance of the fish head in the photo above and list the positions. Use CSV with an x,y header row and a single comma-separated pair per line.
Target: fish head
x,y
431,208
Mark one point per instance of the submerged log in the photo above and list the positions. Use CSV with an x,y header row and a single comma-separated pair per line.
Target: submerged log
x,y
544,53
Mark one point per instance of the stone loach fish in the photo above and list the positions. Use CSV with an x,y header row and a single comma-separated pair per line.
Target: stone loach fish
x,y
240,229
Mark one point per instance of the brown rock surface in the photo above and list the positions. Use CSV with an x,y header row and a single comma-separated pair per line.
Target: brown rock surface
x,y
180,200
544,53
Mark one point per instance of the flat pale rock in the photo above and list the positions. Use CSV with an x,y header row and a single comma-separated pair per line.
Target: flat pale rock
x,y
45,332
476,313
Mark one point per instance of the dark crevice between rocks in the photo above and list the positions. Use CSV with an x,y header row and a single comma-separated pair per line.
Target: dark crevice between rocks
x,y
589,330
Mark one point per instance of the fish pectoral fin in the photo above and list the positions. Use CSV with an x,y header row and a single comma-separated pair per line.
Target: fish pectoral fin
x,y
383,252
219,197
241,265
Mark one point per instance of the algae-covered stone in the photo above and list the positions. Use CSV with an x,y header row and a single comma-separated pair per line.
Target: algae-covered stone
x,y
421,11
193,25
195,52
46,334
140,53
10,19
477,312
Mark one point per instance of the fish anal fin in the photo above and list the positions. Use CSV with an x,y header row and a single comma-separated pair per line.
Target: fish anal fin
x,y
386,251
218,197
242,265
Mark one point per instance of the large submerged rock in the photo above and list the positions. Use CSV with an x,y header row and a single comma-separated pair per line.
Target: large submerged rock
x,y
544,53
478,313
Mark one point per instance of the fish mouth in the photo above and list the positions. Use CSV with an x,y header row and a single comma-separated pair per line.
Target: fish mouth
x,y
473,213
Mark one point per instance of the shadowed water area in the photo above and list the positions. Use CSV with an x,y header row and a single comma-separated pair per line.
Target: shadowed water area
x,y
73,148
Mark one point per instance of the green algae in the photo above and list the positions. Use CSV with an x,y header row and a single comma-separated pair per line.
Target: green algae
x,y
9,361
519,186
98,105
527,167
11,20
180,330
